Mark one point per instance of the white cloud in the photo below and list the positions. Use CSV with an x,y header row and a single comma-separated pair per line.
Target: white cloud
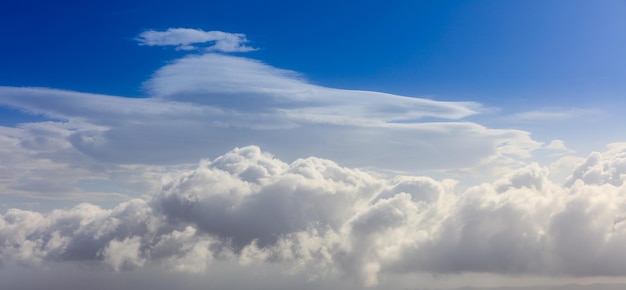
x,y
314,216
40,161
551,114
99,147
609,167
119,254
248,212
249,86
557,145
188,39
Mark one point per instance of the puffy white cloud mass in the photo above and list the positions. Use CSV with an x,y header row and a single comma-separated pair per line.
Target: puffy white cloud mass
x,y
187,39
316,217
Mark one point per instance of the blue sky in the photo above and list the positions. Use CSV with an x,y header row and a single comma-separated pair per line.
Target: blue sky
x,y
457,50
513,55
322,145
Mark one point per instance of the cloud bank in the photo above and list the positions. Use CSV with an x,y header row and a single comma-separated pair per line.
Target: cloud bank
x,y
315,216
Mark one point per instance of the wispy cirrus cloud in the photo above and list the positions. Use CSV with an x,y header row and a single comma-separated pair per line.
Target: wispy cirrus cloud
x,y
191,39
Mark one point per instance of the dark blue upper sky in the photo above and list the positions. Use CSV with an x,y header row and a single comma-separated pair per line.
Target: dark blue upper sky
x,y
499,53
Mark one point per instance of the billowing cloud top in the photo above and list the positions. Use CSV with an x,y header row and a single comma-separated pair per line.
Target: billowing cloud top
x,y
188,39
315,216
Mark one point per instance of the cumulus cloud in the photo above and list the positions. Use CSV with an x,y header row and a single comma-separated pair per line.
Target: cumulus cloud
x,y
189,39
118,254
609,167
317,217
250,213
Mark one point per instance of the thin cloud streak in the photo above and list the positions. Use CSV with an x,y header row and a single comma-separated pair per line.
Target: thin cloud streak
x,y
554,114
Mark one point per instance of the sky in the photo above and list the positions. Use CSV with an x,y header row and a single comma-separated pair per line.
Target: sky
x,y
322,145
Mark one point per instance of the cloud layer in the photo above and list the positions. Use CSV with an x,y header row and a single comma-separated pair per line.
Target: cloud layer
x,y
202,105
316,216
206,104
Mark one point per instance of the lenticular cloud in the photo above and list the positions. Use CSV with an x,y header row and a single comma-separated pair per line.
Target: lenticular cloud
x,y
249,207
